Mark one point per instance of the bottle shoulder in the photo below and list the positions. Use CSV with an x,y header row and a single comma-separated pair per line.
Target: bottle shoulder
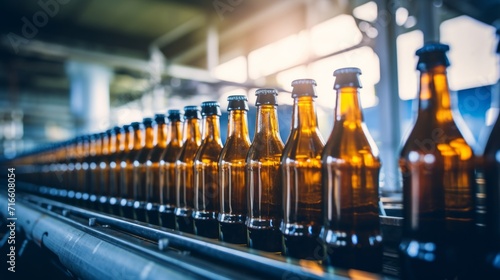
x,y
235,148
443,139
172,152
157,153
302,146
209,150
345,142
265,148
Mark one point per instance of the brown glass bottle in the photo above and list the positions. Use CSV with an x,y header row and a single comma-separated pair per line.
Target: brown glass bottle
x,y
437,166
116,138
168,196
104,171
81,167
264,187
128,154
232,183
351,166
491,162
94,181
153,173
68,168
85,173
139,169
184,169
206,185
301,173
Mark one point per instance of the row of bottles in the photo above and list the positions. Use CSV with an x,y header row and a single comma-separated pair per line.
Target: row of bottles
x,y
306,198
263,193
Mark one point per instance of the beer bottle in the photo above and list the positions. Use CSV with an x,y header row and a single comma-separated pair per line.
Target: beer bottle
x,y
85,173
437,166
128,154
81,167
264,187
70,154
232,183
169,157
144,146
351,166
116,138
94,181
206,187
184,169
153,174
301,172
491,163
104,171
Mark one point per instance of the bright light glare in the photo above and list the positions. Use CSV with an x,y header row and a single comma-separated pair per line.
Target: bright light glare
x,y
277,56
401,16
234,70
335,34
363,58
472,52
407,44
366,11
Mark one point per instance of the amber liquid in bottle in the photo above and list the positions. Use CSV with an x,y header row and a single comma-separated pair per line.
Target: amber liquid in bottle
x,y
301,173
127,155
114,169
264,187
437,167
84,173
206,185
154,176
81,167
94,178
102,194
232,163
70,168
168,190
139,178
184,169
351,166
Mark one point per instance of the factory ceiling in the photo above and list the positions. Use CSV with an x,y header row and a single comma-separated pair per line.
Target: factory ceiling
x,y
37,38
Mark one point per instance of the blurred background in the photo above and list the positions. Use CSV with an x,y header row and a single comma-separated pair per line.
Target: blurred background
x,y
69,67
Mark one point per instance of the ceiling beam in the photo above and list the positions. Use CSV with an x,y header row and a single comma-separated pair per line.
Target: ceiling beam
x,y
243,27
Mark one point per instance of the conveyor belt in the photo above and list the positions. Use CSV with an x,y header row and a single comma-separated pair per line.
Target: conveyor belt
x,y
92,245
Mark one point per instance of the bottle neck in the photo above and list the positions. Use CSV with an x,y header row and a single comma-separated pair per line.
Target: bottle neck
x,y
80,150
113,143
174,133
149,139
191,131
129,141
211,128
105,145
139,140
161,136
348,107
267,120
96,147
434,95
238,124
304,114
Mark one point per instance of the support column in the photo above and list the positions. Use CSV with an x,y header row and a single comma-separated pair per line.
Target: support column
x,y
428,19
89,95
387,92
